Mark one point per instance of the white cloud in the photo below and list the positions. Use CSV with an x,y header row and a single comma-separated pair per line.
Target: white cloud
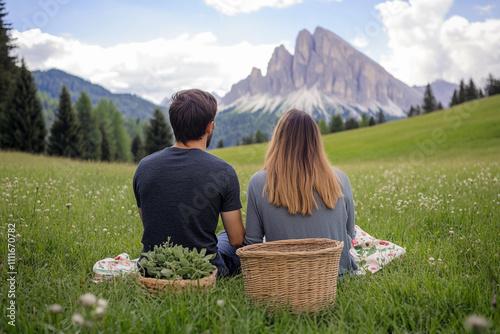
x,y
425,47
232,7
153,69
359,42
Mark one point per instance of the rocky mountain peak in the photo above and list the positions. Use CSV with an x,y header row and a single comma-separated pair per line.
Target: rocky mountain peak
x,y
326,66
256,73
281,60
304,47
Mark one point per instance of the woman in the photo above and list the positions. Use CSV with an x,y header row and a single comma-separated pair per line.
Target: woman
x,y
298,194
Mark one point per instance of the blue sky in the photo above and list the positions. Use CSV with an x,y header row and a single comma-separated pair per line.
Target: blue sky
x,y
154,48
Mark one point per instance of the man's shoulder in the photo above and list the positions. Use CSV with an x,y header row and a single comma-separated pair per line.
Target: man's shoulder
x,y
216,161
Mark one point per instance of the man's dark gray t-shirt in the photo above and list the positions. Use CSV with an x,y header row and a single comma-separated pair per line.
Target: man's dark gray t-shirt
x,y
181,193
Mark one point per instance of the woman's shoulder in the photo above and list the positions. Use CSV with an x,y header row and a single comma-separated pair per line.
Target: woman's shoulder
x,y
259,176
344,180
340,173
258,179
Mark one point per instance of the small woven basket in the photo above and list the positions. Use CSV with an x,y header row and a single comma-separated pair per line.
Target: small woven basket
x,y
298,273
159,286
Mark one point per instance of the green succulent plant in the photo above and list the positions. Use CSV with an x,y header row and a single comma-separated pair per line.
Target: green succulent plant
x,y
170,261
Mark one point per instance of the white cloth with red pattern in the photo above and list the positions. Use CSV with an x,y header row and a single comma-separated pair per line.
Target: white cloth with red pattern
x,y
372,254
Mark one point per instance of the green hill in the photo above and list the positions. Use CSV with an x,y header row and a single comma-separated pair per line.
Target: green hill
x,y
50,83
470,130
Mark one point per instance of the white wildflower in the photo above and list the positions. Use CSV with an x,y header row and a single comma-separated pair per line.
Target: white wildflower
x,y
55,308
220,302
476,323
77,319
99,311
87,300
102,303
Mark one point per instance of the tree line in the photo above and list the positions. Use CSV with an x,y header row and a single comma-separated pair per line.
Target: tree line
x,y
336,124
465,92
78,131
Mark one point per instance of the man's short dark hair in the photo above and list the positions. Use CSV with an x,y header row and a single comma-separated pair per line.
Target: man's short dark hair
x,y
190,112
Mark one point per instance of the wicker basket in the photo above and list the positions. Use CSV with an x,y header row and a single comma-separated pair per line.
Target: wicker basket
x,y
299,273
158,286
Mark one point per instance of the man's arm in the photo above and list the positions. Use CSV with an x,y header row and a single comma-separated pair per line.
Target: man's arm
x,y
140,213
233,225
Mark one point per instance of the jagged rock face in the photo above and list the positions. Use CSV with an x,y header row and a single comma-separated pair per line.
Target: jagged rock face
x,y
279,71
325,63
304,47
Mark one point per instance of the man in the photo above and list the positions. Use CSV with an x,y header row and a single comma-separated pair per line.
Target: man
x,y
181,190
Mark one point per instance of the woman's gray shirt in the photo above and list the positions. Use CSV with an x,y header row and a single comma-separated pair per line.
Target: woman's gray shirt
x,y
265,219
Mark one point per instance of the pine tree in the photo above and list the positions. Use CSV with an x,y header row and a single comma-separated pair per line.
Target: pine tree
x,y
65,134
381,117
461,92
364,120
91,140
158,133
23,125
8,68
429,100
220,143
480,93
260,137
418,111
371,122
471,93
105,149
323,128
351,123
337,124
103,114
122,139
411,112
454,98
492,86
137,148
439,106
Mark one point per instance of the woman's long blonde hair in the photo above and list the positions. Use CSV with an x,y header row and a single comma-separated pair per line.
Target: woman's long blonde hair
x,y
296,165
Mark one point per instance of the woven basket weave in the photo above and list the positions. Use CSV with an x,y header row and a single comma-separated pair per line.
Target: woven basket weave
x,y
158,286
299,273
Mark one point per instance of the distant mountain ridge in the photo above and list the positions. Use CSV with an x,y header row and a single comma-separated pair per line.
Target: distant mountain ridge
x,y
131,106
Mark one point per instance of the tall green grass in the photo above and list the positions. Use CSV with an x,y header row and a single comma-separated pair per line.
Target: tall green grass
x,y
444,208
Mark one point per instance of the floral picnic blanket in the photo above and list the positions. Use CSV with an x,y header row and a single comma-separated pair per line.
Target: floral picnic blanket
x,y
108,269
373,254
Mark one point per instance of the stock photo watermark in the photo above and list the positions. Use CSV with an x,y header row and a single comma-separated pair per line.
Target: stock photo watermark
x,y
11,274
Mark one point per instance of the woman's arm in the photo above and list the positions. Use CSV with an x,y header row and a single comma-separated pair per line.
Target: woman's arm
x,y
254,225
349,202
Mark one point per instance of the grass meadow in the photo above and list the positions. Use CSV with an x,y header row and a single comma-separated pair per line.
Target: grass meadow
x,y
429,184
